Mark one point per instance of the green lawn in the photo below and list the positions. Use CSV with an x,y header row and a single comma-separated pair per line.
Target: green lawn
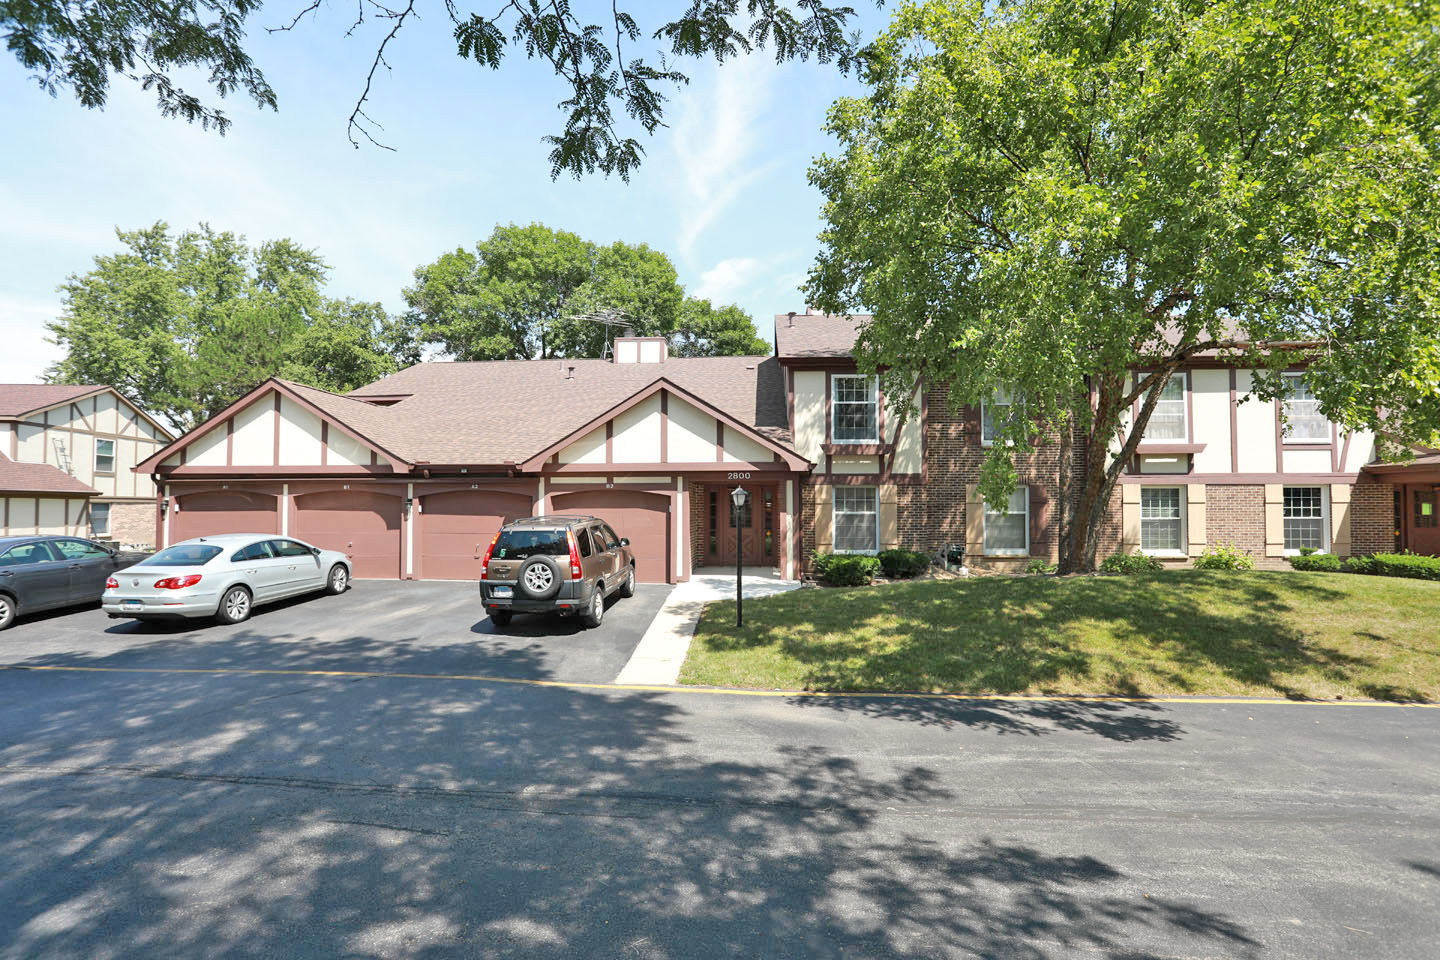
x,y
1179,632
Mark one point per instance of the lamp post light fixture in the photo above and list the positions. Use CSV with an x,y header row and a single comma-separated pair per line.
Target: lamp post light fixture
x,y
738,496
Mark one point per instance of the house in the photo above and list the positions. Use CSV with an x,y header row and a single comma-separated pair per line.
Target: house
x,y
413,474
67,455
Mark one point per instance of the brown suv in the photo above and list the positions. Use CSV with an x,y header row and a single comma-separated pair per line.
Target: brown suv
x,y
562,565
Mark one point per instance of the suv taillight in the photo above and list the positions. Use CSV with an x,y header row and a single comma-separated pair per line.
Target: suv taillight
x,y
485,564
574,555
112,584
178,583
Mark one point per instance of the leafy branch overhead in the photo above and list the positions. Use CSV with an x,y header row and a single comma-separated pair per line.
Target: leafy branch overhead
x,y
617,80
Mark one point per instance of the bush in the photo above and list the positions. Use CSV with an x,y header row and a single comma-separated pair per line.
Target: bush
x,y
903,564
1224,556
844,569
1411,565
1040,566
1323,562
1129,563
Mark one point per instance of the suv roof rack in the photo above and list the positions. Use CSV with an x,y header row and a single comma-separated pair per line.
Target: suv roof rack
x,y
551,518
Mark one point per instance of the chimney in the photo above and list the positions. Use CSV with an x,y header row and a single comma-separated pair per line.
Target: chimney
x,y
640,350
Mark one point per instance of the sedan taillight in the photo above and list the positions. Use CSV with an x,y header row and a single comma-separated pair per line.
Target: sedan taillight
x,y
178,583
112,584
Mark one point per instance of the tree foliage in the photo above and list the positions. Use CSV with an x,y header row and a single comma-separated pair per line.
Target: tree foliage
x,y
1045,196
612,84
524,292
184,325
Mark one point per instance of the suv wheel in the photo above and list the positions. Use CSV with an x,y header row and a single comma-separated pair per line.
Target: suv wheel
x,y
596,611
539,579
627,586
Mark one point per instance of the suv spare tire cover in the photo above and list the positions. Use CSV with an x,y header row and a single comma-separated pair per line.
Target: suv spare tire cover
x,y
523,585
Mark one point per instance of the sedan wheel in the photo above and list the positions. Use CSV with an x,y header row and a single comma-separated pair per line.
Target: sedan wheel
x,y
339,579
235,605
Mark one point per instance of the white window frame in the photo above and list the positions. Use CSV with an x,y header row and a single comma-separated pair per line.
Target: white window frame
x,y
1023,492
1296,376
1183,376
874,384
91,520
835,513
96,464
1324,516
994,399
1184,548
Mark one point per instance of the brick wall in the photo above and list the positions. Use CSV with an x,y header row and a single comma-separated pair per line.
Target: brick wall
x,y
133,523
1235,514
1372,518
699,518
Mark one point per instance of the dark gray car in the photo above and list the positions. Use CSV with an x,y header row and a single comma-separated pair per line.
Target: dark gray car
x,y
42,573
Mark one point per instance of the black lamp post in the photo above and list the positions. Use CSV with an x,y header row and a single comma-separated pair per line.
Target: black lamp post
x,y
738,496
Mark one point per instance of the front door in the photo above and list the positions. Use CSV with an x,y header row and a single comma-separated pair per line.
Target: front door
x,y
753,530
1424,520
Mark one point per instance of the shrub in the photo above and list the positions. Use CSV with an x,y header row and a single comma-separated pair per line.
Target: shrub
x,y
903,564
1411,565
844,569
1224,556
1129,563
1324,562
1360,565
1040,566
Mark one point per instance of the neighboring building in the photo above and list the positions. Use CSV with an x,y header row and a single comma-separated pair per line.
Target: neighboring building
x,y
413,474
67,458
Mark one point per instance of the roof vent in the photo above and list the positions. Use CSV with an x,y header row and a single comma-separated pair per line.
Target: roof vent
x,y
567,370
641,350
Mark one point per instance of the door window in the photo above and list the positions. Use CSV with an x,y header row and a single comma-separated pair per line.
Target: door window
x,y
25,555
600,543
1425,510
583,543
289,548
612,541
256,551
79,550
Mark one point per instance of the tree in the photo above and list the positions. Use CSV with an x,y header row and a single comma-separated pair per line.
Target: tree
x,y
183,326
525,292
82,44
1070,200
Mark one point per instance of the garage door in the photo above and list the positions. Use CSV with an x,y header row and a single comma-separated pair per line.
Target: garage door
x,y
455,528
225,511
642,517
364,526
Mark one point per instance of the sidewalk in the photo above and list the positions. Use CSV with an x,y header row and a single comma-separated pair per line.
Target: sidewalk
x,y
662,650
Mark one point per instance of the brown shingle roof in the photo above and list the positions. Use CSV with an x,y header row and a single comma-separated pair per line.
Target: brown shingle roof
x,y
16,477
814,335
18,399
493,412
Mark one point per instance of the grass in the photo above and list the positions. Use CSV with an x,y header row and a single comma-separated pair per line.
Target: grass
x,y
1179,632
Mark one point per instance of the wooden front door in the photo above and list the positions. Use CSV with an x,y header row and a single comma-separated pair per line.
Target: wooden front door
x,y
1424,520
753,530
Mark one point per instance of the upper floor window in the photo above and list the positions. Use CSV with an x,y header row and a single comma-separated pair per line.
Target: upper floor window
x,y
995,413
1169,420
104,456
855,408
1304,423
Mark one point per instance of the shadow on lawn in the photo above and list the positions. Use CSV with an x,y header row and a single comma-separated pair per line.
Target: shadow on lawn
x,y
187,815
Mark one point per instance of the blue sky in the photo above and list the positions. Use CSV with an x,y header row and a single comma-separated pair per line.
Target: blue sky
x,y
722,189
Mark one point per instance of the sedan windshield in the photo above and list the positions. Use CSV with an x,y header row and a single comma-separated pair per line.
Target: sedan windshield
x,y
183,555
521,544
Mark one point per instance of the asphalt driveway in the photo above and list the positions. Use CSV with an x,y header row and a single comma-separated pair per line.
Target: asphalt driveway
x,y
380,625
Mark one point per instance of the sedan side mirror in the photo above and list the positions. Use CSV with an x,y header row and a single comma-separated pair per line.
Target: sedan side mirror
x,y
624,541
315,550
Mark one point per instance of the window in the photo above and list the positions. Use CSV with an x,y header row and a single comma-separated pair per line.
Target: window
x,y
1162,522
588,542
856,526
99,519
26,554
995,414
524,544
854,408
1304,423
1424,509
104,456
714,509
79,549
612,539
255,551
1168,420
1304,513
289,548
1007,531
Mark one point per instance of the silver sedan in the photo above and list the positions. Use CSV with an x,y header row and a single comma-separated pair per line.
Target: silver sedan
x,y
224,577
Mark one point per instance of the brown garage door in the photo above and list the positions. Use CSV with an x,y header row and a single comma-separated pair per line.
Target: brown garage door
x,y
455,528
223,511
363,525
642,517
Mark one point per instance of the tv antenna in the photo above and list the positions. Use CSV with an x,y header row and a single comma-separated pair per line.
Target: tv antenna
x,y
611,318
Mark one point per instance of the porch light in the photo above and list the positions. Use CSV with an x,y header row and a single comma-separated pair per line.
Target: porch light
x,y
738,497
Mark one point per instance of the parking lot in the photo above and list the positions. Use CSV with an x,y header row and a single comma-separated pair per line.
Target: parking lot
x,y
378,625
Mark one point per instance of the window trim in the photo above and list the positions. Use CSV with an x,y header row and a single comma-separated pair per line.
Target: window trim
x,y
984,518
96,463
874,383
1186,435
1285,438
1324,489
986,402
835,513
1184,549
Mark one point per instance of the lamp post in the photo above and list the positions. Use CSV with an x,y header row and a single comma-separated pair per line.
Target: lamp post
x,y
738,496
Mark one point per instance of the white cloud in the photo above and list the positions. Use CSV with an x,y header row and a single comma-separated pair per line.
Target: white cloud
x,y
22,324
728,280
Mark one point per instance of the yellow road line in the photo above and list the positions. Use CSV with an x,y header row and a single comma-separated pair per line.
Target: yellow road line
x,y
724,691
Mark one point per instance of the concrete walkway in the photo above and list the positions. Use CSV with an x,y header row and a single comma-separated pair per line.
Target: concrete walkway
x,y
662,650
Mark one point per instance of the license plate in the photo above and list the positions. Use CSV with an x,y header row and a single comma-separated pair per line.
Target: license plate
x,y
132,605
501,592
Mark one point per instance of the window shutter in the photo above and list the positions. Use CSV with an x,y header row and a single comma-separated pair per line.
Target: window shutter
x,y
824,519
1274,520
974,521
888,516
971,425
1340,519
1039,516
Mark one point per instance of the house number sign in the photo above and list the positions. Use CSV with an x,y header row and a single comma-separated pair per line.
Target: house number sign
x,y
738,476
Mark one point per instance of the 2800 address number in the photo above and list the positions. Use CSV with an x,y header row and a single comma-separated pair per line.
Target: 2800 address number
x,y
738,476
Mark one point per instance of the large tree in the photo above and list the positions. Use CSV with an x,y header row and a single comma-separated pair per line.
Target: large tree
x,y
598,53
184,325
1070,199
532,292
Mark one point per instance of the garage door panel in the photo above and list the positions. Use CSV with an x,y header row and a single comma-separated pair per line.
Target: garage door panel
x,y
364,526
642,518
228,511
456,527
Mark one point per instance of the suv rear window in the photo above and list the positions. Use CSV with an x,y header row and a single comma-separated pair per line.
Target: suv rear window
x,y
521,544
